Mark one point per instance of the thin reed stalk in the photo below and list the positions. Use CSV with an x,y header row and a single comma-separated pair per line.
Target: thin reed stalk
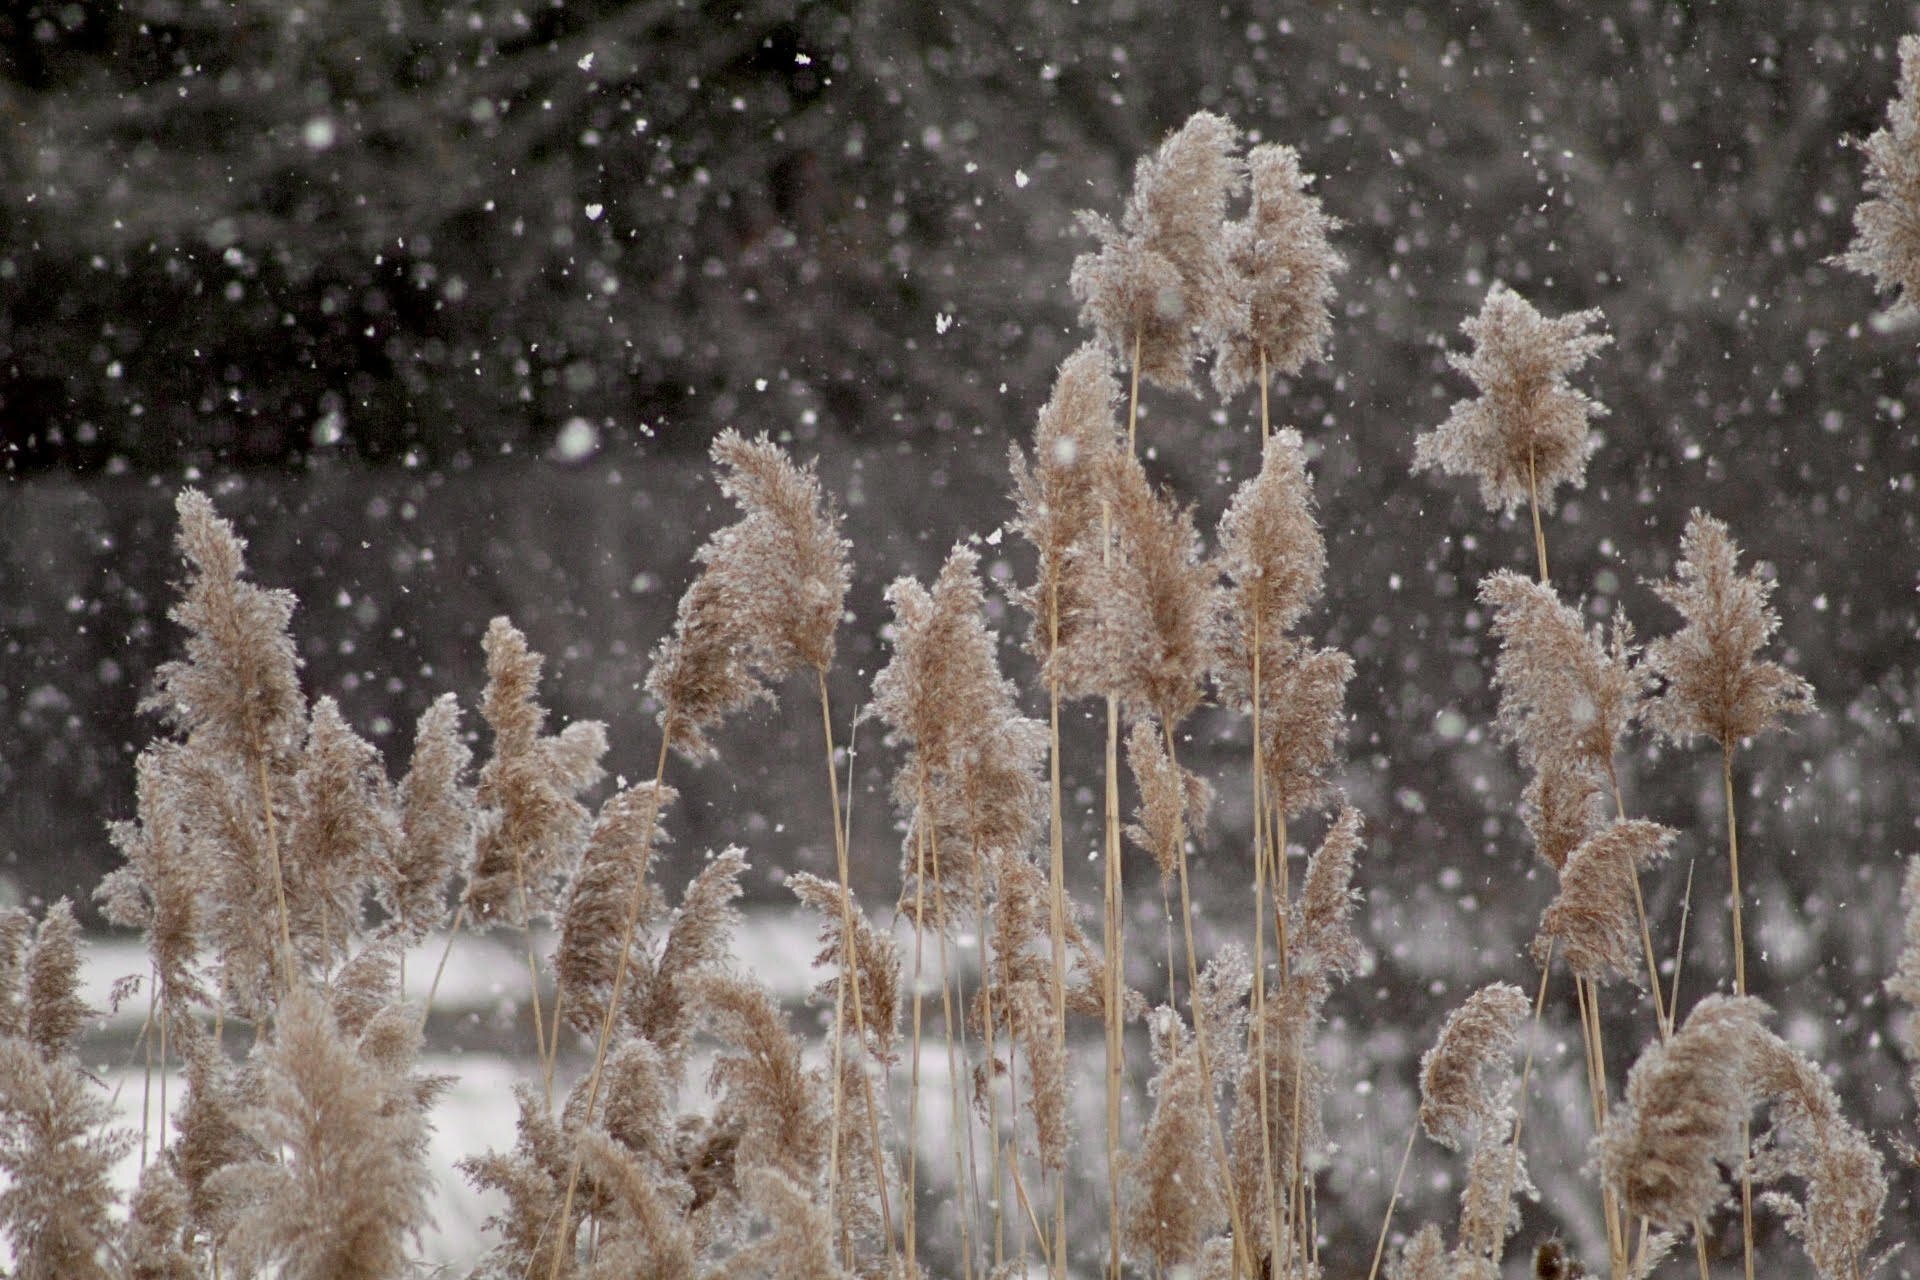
x,y
848,984
1056,916
959,1114
1113,939
1393,1198
910,1194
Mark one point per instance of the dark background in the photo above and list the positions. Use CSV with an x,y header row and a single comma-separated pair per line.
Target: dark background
x,y
444,301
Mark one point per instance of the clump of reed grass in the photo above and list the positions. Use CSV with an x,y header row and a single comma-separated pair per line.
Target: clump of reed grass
x,y
279,871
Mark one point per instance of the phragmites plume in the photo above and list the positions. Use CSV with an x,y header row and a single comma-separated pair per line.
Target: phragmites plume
x,y
1564,696
1562,806
640,1232
1715,682
351,1188
1812,1142
1904,985
1302,721
1016,994
1057,499
436,822
971,783
152,1241
1155,605
57,1151
1173,800
1027,1008
768,602
1593,920
1175,1199
1466,1078
1276,1112
1161,284
1527,430
1284,266
762,1084
237,692
874,951
57,1154
51,1011
1566,700
613,868
1687,1100
1466,1100
1321,943
1423,1257
697,946
531,827
1018,931
1886,239
1274,560
158,890
236,697
340,836
532,1180
800,1244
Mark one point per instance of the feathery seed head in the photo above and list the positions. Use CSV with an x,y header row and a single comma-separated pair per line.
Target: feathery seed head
x,y
1466,1080
971,782
436,822
1160,283
1322,942
1565,698
1716,684
1283,266
1155,607
1886,239
237,692
767,603
531,827
611,872
1686,1102
1057,499
1527,421
1175,1200
1273,558
1593,919
874,952
1173,800
1302,721
1812,1141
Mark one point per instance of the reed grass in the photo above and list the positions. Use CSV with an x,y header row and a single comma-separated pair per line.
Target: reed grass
x,y
277,872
